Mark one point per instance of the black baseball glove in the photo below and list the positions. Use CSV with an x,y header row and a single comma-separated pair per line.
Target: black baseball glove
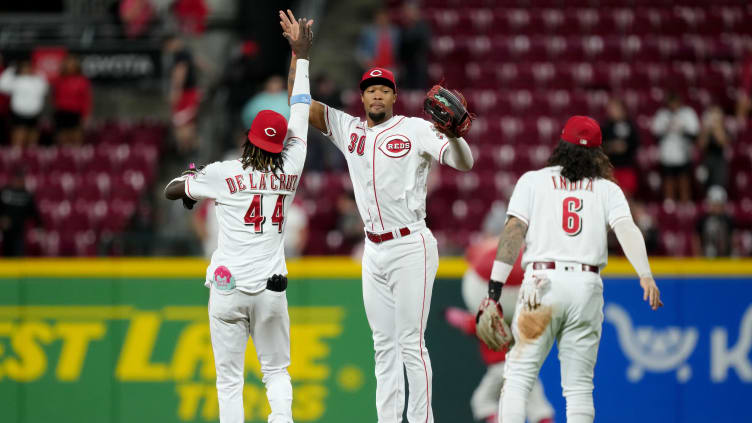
x,y
448,110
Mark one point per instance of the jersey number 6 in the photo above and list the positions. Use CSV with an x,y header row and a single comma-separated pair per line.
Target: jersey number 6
x,y
571,222
255,214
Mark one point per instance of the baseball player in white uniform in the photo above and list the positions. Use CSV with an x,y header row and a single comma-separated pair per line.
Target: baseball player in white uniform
x,y
562,213
247,274
484,402
389,158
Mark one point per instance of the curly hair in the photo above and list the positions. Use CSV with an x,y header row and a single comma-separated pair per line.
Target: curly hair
x,y
261,160
580,162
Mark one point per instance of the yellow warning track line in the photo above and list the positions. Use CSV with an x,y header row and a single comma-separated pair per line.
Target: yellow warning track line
x,y
320,267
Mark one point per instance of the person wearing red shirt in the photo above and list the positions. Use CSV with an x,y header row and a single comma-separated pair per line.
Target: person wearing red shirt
x,y
378,43
72,100
485,400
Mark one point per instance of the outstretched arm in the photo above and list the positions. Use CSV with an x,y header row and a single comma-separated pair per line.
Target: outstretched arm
x,y
300,94
291,27
632,242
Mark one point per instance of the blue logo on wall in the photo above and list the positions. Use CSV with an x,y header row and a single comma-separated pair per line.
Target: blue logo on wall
x,y
652,349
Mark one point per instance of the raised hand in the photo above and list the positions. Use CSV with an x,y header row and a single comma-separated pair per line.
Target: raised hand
x,y
297,32
302,45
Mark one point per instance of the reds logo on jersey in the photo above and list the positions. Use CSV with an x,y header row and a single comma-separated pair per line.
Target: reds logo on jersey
x,y
396,147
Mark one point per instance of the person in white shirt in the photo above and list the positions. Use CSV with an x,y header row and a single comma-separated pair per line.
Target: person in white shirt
x,y
247,275
562,213
389,158
27,90
676,126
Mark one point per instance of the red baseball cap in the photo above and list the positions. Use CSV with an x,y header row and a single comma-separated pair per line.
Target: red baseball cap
x,y
378,76
268,131
582,131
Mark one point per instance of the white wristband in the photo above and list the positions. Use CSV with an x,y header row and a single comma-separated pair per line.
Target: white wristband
x,y
500,271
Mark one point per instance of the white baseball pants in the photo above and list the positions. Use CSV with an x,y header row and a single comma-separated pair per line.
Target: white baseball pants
x,y
485,400
398,278
575,299
486,397
233,317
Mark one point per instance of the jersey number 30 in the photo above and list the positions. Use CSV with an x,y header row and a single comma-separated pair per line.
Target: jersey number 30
x,y
571,222
255,214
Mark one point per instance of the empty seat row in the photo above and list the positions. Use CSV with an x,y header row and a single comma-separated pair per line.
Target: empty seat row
x,y
587,47
675,20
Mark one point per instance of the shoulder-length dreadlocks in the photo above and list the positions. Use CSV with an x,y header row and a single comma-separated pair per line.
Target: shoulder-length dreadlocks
x,y
261,160
580,162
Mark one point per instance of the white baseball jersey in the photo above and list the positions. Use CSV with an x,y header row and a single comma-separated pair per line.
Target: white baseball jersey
x,y
389,165
251,207
566,221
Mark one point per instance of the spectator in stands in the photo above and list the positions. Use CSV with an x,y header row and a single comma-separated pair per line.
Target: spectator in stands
x,y
620,143
72,100
273,97
713,141
415,44
27,90
676,126
191,15
184,95
378,43
715,230
17,206
136,15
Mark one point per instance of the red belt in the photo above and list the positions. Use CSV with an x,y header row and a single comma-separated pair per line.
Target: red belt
x,y
386,236
542,265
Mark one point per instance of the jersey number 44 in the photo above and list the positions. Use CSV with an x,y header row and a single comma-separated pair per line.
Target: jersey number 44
x,y
255,213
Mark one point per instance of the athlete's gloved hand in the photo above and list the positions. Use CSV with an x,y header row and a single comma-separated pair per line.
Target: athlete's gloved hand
x,y
532,292
491,327
448,110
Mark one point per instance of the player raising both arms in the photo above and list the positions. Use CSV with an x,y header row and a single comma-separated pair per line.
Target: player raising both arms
x,y
389,158
562,213
247,274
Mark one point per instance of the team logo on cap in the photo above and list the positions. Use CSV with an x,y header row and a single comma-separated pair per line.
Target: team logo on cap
x,y
270,132
396,147
583,141
376,72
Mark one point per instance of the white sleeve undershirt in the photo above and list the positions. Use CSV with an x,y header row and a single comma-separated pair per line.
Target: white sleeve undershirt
x,y
633,243
458,154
